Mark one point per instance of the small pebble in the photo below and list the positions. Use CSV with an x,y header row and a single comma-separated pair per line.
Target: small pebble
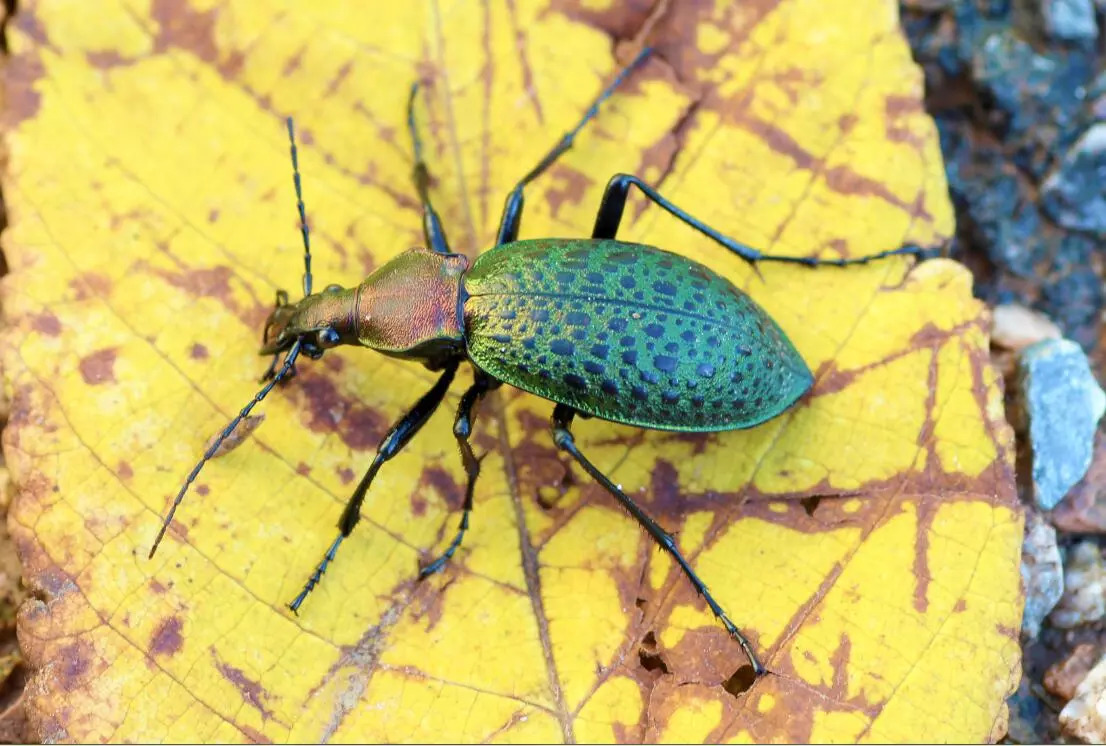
x,y
1074,193
1062,677
1084,717
1016,327
1083,511
1061,402
1084,598
1042,573
1069,20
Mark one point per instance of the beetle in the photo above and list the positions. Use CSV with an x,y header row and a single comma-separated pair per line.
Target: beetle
x,y
602,328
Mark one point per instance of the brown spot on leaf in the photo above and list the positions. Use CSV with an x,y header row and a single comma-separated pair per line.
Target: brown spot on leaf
x,y
46,323
76,660
180,25
198,352
345,474
440,480
124,470
251,691
237,436
91,285
98,367
167,638
327,411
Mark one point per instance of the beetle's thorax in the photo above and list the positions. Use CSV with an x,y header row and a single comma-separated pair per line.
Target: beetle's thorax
x,y
411,306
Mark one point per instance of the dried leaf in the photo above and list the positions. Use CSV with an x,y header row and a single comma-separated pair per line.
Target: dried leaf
x,y
867,540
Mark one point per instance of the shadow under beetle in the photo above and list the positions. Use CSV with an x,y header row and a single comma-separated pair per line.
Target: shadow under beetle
x,y
620,331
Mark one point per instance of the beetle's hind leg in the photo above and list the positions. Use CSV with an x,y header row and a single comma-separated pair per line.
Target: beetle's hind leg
x,y
512,210
614,203
562,437
462,429
395,441
431,223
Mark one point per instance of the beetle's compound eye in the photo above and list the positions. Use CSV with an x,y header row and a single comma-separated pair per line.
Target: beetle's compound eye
x,y
327,338
332,288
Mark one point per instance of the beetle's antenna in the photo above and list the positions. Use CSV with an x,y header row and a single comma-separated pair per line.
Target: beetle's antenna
x,y
289,361
302,210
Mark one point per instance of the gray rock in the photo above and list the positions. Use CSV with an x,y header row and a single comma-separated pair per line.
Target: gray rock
x,y
1069,20
1042,573
1074,193
1061,404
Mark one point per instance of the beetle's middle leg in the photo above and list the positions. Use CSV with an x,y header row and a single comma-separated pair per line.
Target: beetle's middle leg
x,y
614,203
394,442
512,209
562,437
462,429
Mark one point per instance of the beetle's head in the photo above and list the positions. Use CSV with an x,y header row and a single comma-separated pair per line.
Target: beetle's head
x,y
322,320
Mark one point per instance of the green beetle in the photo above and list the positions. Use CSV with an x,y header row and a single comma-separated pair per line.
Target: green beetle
x,y
621,331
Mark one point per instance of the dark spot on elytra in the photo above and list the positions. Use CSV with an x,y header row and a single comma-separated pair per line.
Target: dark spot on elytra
x,y
664,363
600,351
688,336
528,343
593,367
501,338
539,315
575,381
167,639
627,282
617,325
627,341
670,396
649,376
595,278
654,330
565,278
579,334
562,347
577,318
672,348
629,357
639,393
664,288
706,370
609,387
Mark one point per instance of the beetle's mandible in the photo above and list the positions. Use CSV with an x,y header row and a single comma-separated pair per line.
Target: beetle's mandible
x,y
620,331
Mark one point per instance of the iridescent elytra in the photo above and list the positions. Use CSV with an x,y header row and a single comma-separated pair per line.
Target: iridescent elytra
x,y
620,331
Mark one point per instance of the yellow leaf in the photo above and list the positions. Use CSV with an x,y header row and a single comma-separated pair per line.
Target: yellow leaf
x,y
866,540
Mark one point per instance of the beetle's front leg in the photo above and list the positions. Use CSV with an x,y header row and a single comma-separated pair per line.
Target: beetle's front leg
x,y
394,442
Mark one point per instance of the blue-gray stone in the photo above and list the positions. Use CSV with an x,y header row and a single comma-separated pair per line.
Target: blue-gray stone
x,y
1061,403
1074,194
1042,573
1069,20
